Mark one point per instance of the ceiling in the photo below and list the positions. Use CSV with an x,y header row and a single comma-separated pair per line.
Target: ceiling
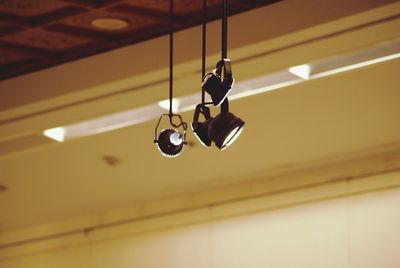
x,y
334,117
38,34
320,119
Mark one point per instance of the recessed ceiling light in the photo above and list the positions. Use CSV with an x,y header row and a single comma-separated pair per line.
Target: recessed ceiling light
x,y
110,24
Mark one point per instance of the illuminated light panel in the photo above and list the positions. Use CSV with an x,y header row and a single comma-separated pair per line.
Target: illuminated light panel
x,y
251,92
295,75
302,71
57,133
165,104
356,66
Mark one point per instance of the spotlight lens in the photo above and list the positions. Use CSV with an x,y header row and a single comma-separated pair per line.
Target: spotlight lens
x,y
230,135
175,138
231,138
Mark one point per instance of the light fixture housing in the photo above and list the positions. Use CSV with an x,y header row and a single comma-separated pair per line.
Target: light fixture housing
x,y
200,129
170,141
220,82
223,129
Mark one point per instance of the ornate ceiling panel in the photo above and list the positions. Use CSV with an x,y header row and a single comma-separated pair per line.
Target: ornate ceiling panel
x,y
39,34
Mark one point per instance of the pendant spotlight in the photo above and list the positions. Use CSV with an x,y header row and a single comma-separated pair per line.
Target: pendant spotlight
x,y
219,86
224,128
170,141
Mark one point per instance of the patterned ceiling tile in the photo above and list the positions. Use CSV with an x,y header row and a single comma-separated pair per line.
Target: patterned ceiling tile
x,y
56,31
181,7
30,8
46,40
6,28
8,56
94,3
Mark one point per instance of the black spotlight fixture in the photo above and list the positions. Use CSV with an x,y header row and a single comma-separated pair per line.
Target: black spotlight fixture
x,y
224,128
200,129
219,83
170,141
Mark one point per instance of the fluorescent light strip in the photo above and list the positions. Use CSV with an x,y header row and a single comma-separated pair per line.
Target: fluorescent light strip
x,y
355,66
294,75
252,92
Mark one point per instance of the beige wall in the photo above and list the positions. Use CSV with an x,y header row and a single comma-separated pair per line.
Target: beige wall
x,y
360,230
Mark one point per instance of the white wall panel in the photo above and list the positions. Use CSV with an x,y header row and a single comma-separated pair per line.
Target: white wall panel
x,y
356,231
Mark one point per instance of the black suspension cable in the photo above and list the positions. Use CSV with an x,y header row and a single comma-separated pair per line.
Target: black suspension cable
x,y
224,46
203,52
224,23
171,56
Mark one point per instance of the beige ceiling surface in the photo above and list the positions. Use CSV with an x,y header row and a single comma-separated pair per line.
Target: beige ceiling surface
x,y
315,120
318,120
